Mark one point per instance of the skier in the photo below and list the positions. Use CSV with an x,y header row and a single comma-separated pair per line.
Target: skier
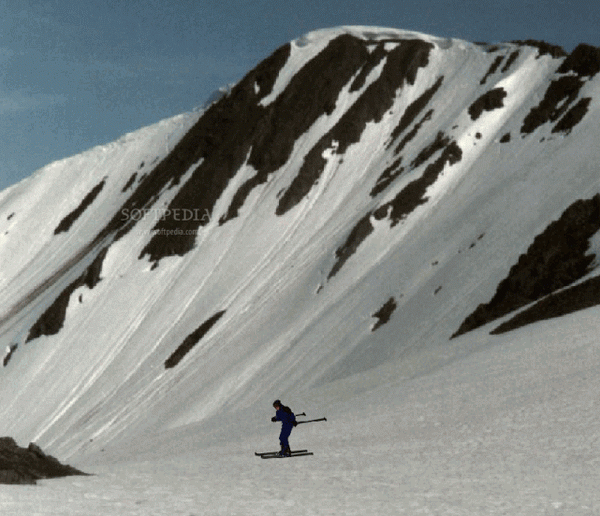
x,y
288,421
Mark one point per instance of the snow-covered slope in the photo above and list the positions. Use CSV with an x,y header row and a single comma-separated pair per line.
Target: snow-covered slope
x,y
326,229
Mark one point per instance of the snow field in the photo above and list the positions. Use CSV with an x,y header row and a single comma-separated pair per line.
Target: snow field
x,y
504,427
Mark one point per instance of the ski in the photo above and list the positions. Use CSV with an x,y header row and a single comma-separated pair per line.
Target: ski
x,y
277,456
276,452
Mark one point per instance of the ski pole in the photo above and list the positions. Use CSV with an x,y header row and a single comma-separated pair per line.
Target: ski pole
x,y
312,420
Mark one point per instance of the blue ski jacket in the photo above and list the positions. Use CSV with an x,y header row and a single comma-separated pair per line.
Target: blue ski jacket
x,y
286,416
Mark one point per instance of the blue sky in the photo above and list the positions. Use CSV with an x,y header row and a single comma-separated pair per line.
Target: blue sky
x,y
75,74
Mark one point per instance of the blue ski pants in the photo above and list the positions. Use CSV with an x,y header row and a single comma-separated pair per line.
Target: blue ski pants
x,y
286,430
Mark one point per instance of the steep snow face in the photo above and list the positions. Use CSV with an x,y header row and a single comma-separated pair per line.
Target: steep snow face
x,y
348,204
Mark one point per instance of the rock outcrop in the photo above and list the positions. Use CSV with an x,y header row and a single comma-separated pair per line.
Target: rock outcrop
x,y
27,465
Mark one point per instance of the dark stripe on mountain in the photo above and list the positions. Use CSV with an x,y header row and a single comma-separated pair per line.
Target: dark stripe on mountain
x,y
357,236
311,93
567,301
191,340
584,61
511,59
409,198
413,110
217,127
413,132
489,101
9,353
492,69
377,55
66,223
573,116
440,142
219,142
413,195
559,96
384,314
52,320
387,177
129,183
556,258
238,128
402,65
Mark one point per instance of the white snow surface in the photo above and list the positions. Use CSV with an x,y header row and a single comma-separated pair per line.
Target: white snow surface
x,y
507,427
416,423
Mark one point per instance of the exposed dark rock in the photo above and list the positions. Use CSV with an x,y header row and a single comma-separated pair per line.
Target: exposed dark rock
x,y
571,299
387,177
414,131
573,116
409,198
413,194
492,69
66,223
584,61
10,216
298,107
489,101
130,182
505,138
238,128
511,59
52,320
427,152
215,139
543,47
376,56
384,314
401,66
413,110
191,340
27,465
9,352
357,236
559,96
556,258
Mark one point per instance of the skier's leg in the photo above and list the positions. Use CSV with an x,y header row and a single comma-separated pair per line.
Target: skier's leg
x,y
283,439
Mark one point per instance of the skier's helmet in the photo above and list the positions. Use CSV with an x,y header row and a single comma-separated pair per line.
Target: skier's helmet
x,y
277,403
